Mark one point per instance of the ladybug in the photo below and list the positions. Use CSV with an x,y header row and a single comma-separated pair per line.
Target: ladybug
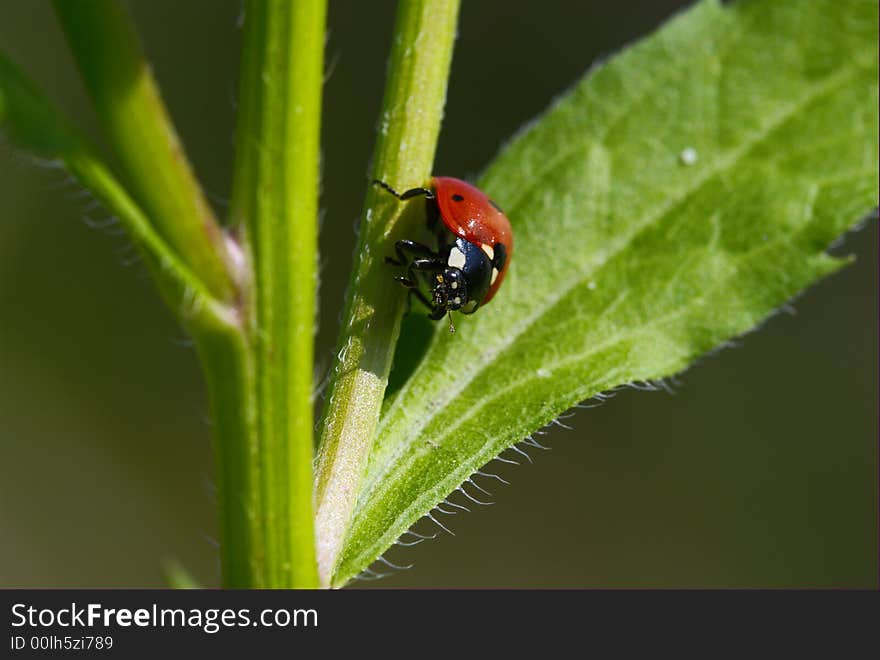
x,y
474,246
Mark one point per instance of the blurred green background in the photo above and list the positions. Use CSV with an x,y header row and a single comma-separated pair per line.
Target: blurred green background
x,y
760,471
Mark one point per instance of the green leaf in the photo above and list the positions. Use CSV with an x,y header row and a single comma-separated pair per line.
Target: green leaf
x,y
671,201
177,576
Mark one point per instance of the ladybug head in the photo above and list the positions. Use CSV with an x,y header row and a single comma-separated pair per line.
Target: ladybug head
x,y
463,283
450,289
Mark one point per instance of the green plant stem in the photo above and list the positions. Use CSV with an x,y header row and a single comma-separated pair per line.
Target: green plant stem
x,y
409,126
275,207
228,365
33,123
108,51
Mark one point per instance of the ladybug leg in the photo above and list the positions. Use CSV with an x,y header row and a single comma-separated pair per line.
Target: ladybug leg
x,y
409,194
433,265
432,218
437,313
426,261
404,247
418,295
429,265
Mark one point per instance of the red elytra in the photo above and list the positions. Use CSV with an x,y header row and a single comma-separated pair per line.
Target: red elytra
x,y
468,212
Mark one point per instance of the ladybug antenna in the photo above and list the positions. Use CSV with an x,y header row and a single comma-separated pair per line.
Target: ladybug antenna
x,y
451,325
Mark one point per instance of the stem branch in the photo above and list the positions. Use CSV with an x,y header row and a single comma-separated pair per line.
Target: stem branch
x,y
275,207
33,123
108,51
409,126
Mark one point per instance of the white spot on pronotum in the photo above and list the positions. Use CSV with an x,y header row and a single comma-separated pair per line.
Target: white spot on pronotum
x,y
456,258
454,285
494,276
591,285
489,250
543,373
688,156
457,300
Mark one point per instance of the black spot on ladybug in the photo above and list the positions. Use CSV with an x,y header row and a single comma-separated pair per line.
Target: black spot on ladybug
x,y
500,256
457,198
497,208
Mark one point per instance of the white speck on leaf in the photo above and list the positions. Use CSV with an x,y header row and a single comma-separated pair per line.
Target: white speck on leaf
x,y
688,156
